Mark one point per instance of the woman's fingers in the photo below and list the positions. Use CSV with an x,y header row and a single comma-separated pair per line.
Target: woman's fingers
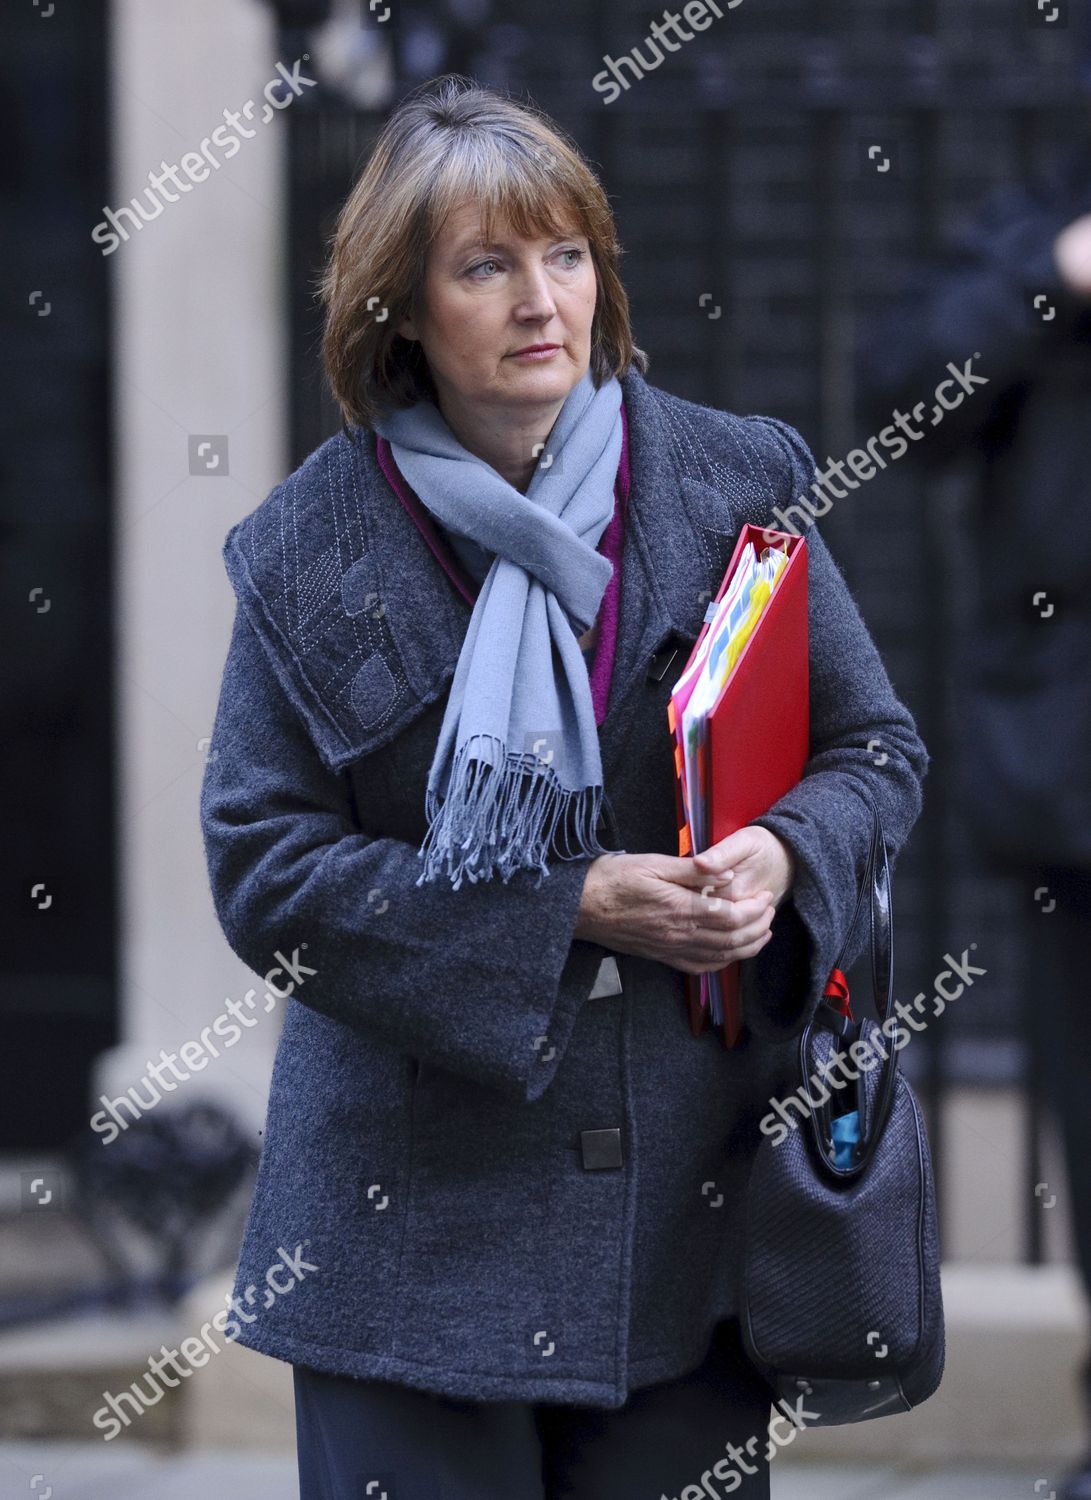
x,y
705,958
749,949
687,873
725,931
717,914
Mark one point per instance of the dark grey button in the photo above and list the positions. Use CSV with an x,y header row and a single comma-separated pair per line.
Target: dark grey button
x,y
660,663
601,1148
607,980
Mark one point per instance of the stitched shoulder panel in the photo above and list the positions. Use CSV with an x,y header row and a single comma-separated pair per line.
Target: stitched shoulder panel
x,y
303,537
307,568
793,443
758,463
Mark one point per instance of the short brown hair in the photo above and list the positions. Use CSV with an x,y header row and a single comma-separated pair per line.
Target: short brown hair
x,y
448,141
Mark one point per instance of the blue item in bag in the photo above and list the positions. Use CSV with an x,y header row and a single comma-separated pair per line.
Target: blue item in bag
x,y
845,1130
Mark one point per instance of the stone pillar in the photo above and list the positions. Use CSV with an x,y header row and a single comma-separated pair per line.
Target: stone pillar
x,y
200,432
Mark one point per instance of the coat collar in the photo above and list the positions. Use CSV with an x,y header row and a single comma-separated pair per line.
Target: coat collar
x,y
361,620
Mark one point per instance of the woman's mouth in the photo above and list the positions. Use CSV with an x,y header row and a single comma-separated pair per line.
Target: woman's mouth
x,y
537,352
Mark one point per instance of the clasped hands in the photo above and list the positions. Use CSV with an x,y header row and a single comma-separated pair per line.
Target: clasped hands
x,y
695,912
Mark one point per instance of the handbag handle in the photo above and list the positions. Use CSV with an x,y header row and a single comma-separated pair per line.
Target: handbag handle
x,y
876,885
875,890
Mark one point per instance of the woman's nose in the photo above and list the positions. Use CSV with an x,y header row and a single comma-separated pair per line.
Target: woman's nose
x,y
535,297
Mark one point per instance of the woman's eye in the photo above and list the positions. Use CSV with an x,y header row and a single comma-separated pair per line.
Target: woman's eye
x,y
571,250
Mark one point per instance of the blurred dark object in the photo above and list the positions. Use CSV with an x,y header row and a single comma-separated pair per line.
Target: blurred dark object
x,y
995,299
157,1204
298,13
166,1178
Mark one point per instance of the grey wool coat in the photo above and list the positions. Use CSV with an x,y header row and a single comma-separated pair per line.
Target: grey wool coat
x,y
516,1179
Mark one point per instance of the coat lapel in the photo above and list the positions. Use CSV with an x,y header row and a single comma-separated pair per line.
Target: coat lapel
x,y
647,609
670,568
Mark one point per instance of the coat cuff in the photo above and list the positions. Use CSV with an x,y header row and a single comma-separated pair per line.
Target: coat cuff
x,y
781,987
545,1027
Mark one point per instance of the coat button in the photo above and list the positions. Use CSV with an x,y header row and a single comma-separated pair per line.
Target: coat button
x,y
607,980
601,1149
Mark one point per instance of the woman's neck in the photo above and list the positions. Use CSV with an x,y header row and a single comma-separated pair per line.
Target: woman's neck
x,y
509,440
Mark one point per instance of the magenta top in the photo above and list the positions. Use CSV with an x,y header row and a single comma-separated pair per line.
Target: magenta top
x,y
610,546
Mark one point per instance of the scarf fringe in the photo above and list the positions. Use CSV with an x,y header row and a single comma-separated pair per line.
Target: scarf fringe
x,y
482,828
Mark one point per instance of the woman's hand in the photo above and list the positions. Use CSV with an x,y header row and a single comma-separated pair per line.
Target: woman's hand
x,y
758,860
695,913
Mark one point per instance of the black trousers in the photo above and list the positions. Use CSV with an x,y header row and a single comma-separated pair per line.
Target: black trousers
x,y
705,1434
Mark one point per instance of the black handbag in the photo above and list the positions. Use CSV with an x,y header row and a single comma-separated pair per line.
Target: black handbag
x,y
840,1301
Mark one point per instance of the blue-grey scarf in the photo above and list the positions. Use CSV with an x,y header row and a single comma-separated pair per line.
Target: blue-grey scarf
x,y
518,750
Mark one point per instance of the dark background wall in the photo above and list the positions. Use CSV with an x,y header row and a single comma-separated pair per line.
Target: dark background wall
x,y
58,959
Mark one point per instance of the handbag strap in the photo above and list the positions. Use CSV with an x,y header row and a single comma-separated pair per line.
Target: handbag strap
x,y
875,894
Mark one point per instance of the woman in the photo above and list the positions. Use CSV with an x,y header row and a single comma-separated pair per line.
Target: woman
x,y
442,804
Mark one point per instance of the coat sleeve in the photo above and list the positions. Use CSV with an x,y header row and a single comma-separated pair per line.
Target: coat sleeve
x,y
826,818
974,302
467,980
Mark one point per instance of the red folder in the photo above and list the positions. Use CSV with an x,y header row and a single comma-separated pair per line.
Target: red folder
x,y
758,731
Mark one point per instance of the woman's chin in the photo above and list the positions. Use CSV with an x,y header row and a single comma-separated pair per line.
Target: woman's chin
x,y
551,379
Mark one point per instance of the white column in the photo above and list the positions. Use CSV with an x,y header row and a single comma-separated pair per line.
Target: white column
x,y
201,347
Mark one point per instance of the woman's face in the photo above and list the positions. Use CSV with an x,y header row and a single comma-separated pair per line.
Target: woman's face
x,y
482,305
